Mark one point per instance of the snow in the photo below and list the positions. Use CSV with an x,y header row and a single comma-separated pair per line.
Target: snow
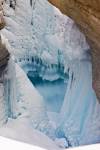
x,y
49,31
21,129
30,112
6,143
27,90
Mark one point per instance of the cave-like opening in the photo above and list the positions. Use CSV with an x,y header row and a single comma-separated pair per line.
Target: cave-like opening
x,y
53,92
50,81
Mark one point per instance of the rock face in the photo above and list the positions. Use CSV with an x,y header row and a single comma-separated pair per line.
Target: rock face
x,y
4,54
2,22
86,14
4,57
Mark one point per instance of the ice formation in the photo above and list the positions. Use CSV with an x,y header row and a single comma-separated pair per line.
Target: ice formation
x,y
7,87
45,42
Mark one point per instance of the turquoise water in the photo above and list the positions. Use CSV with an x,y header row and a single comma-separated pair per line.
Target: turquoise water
x,y
53,92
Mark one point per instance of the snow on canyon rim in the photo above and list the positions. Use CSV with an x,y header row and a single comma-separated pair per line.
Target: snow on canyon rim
x,y
48,45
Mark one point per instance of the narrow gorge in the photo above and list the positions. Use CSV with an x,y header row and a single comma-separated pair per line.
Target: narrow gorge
x,y
46,58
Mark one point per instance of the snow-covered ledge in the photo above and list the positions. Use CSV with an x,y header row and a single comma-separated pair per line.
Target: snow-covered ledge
x,y
6,144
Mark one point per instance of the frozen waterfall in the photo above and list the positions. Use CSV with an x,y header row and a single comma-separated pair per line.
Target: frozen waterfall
x,y
8,92
47,44
78,107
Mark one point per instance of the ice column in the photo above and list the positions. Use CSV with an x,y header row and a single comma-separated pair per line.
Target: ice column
x,y
79,105
10,89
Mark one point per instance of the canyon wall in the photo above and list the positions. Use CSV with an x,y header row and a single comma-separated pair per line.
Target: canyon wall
x,y
2,22
4,54
4,57
86,14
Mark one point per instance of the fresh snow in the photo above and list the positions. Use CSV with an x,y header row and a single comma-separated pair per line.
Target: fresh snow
x,y
20,129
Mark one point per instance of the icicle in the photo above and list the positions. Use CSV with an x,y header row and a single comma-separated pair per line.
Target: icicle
x,y
31,2
33,8
12,101
3,104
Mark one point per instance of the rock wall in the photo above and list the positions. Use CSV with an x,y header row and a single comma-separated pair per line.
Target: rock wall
x,y
4,57
2,22
4,54
86,14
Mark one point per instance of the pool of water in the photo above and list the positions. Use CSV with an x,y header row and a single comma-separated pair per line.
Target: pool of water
x,y
53,92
